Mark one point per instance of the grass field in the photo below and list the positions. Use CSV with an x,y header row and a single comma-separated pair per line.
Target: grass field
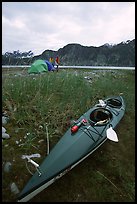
x,y
50,101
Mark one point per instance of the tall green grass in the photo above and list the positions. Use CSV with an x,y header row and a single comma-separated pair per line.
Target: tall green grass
x,y
50,101
46,98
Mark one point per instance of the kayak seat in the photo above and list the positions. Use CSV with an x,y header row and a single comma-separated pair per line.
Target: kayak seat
x,y
114,103
99,115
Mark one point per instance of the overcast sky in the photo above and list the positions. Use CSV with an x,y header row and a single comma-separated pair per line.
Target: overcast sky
x,y
38,26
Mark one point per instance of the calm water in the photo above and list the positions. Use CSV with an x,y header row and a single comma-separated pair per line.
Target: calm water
x,y
81,67
98,67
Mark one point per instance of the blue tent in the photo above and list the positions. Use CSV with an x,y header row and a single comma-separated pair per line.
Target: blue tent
x,y
50,66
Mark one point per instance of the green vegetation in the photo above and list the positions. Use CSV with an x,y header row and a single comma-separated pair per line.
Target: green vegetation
x,y
48,102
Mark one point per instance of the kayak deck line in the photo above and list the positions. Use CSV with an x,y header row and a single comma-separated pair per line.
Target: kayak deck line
x,y
85,136
91,131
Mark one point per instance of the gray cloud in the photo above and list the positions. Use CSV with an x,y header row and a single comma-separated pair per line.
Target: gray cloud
x,y
38,26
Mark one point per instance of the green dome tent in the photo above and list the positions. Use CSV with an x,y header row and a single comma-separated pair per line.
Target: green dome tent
x,y
38,66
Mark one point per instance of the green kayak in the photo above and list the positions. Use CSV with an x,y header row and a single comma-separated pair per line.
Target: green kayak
x,y
90,131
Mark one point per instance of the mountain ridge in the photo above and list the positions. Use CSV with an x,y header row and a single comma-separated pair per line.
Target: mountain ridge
x,y
75,54
122,54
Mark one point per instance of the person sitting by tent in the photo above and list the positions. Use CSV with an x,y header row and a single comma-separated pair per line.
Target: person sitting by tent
x,y
51,60
57,63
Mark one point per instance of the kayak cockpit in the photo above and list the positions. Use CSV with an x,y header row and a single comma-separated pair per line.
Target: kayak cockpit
x,y
100,116
114,103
